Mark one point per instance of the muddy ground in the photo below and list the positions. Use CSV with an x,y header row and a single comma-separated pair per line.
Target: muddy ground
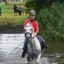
x,y
11,29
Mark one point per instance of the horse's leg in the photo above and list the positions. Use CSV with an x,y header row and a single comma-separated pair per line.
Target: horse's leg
x,y
38,58
29,59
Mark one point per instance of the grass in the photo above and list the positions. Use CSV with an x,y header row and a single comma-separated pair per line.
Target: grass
x,y
8,16
18,20
7,9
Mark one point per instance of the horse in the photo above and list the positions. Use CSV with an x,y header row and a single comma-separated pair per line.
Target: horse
x,y
33,46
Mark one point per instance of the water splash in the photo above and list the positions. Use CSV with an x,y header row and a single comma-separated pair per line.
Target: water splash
x,y
44,60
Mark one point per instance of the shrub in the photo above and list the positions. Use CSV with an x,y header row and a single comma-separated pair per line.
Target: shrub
x,y
52,19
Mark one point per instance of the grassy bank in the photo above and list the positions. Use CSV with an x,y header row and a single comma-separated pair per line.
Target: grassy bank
x,y
12,24
15,20
8,17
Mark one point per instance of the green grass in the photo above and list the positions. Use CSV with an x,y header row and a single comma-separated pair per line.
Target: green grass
x,y
8,16
7,9
18,20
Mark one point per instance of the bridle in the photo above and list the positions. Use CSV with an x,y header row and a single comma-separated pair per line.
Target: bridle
x,y
29,30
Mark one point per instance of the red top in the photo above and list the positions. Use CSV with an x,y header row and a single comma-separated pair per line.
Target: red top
x,y
34,24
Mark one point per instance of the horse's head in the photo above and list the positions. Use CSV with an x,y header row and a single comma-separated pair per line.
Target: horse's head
x,y
28,30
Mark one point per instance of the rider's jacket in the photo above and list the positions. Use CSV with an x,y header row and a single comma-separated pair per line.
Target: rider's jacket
x,y
34,24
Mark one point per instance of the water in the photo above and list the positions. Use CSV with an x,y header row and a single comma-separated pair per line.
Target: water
x,y
10,41
11,48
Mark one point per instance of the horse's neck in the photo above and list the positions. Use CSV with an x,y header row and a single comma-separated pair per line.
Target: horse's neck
x,y
31,41
34,45
34,42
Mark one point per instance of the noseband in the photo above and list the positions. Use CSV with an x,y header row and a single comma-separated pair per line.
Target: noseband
x,y
29,35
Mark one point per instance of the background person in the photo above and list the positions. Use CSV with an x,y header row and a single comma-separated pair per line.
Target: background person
x,y
15,9
0,8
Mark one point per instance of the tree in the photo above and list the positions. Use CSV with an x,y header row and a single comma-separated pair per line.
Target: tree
x,y
39,4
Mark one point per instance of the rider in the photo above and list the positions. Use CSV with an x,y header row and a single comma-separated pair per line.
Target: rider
x,y
36,31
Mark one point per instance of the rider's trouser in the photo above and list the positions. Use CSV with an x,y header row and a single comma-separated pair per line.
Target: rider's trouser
x,y
25,45
42,42
25,48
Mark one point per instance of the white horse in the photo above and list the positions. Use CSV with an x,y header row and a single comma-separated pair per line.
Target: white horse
x,y
33,47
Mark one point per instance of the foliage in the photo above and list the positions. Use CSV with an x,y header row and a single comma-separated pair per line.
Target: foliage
x,y
52,19
39,4
7,9
29,5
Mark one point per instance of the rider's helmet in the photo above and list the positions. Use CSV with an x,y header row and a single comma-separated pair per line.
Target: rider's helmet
x,y
32,12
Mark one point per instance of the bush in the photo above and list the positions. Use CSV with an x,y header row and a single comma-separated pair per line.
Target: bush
x,y
30,4
52,19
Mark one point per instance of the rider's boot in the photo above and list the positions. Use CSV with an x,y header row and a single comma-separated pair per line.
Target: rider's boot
x,y
24,49
45,45
42,42
23,54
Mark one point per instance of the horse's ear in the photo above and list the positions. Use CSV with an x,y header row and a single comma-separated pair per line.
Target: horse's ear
x,y
28,24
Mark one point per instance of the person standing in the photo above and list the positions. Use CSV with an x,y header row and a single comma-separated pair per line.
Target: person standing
x,y
0,8
15,9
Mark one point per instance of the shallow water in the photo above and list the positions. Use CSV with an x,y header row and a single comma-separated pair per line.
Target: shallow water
x,y
11,48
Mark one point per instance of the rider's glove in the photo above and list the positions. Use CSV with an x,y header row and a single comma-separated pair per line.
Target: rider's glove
x,y
35,34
